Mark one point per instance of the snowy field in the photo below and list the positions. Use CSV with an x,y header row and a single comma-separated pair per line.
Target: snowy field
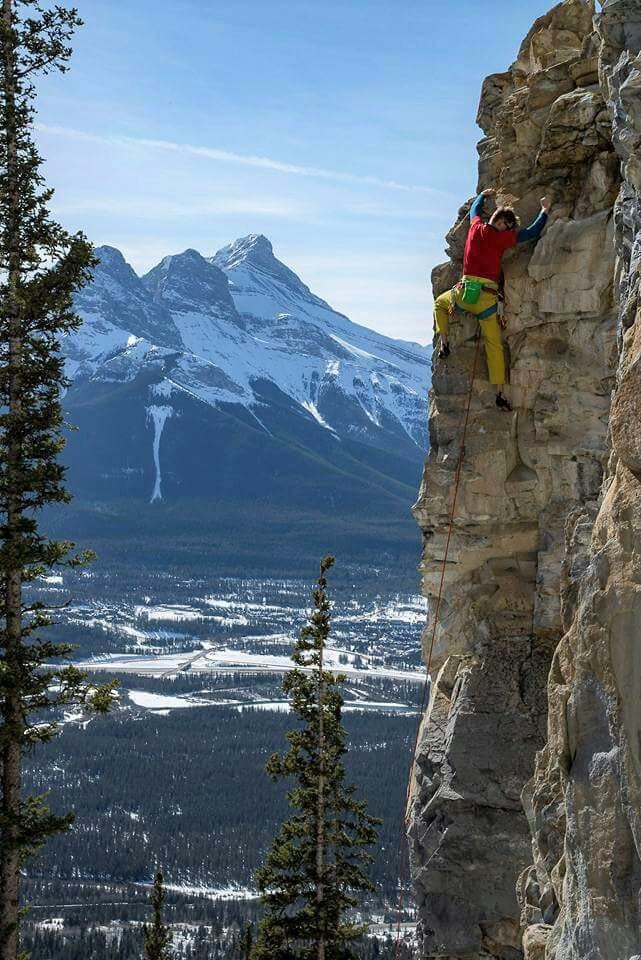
x,y
239,629
235,661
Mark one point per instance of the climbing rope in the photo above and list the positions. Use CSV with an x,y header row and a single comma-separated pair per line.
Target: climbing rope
x,y
427,685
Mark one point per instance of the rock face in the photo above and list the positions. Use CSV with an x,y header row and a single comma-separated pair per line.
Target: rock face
x,y
584,801
544,564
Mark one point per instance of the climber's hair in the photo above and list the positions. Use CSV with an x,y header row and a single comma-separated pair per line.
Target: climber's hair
x,y
508,215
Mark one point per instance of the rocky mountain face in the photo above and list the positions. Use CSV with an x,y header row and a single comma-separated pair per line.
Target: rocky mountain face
x,y
215,390
237,320
526,809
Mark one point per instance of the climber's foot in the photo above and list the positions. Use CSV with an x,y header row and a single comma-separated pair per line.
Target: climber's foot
x,y
444,352
503,403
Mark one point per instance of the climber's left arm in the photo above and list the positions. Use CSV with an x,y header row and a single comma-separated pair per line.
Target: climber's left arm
x,y
534,231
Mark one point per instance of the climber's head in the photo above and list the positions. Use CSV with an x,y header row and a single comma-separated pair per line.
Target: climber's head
x,y
504,218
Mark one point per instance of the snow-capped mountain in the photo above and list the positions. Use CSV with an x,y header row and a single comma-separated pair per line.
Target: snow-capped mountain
x,y
225,379
241,318
114,307
319,357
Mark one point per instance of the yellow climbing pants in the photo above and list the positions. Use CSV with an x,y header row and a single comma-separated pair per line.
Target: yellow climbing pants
x,y
490,328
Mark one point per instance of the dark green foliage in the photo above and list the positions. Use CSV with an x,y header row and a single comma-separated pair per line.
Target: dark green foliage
x,y
217,536
215,817
247,942
206,943
315,869
157,936
41,267
83,945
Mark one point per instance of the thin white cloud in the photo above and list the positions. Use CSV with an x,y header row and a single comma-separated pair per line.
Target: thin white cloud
x,y
239,159
161,208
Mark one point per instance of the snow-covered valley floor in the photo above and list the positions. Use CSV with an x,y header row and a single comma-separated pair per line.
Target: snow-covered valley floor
x,y
175,773
241,630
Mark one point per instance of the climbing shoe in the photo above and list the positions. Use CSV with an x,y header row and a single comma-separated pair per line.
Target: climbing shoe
x,y
444,352
503,403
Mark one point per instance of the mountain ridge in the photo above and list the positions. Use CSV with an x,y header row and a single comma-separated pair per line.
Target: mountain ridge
x,y
192,300
220,389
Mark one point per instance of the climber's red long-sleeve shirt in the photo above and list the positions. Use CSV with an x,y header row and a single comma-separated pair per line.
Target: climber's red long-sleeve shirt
x,y
485,248
486,245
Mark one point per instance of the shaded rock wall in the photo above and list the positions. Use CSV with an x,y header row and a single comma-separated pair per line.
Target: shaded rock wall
x,y
562,120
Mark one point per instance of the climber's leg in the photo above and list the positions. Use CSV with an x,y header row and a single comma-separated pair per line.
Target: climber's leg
x,y
442,307
495,358
493,350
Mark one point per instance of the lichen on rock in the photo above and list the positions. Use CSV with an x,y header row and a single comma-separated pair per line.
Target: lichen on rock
x,y
542,589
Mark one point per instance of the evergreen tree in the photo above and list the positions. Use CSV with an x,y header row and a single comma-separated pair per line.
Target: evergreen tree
x,y
248,942
41,266
315,868
157,936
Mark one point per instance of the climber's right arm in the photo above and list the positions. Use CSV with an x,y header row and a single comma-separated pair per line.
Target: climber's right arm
x,y
476,210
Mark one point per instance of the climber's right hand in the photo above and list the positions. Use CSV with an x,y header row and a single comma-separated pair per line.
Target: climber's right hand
x,y
489,192
546,203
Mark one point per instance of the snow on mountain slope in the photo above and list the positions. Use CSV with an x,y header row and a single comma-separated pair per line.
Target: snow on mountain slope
x,y
226,415
387,378
115,308
228,329
265,291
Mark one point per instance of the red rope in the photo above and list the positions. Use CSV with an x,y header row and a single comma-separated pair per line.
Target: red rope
x,y
402,851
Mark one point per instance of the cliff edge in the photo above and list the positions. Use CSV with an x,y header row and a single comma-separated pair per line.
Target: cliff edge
x,y
525,834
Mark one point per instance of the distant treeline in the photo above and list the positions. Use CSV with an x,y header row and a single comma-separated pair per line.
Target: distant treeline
x,y
188,791
199,943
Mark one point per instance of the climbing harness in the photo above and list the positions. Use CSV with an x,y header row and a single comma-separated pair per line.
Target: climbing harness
x,y
427,685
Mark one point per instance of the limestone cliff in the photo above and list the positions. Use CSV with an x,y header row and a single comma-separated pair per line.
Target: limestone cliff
x,y
544,566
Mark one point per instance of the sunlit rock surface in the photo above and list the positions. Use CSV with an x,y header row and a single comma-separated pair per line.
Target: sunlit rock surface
x,y
544,565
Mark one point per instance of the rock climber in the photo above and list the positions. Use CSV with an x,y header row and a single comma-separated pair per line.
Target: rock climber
x,y
478,291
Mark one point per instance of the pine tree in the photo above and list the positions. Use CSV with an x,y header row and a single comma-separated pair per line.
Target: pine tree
x,y
247,942
41,266
157,936
315,868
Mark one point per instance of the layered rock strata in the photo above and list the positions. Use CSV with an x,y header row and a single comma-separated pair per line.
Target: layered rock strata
x,y
561,120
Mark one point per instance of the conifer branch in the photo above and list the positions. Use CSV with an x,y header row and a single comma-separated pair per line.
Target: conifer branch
x,y
41,268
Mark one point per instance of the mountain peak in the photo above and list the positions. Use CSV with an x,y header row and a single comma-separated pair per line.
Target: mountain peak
x,y
180,261
253,257
256,242
255,249
187,281
112,263
118,296
109,255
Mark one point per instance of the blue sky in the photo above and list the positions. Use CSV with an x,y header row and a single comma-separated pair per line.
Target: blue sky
x,y
343,131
